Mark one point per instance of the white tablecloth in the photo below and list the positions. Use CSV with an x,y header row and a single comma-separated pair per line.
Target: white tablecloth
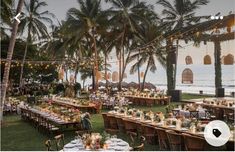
x,y
114,144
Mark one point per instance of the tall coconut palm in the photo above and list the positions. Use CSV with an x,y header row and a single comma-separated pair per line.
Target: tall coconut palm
x,y
178,14
126,17
148,56
9,57
6,16
33,23
87,22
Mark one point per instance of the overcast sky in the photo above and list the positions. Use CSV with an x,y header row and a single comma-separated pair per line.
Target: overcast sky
x,y
60,7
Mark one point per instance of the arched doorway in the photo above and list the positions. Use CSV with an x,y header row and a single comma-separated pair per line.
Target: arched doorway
x,y
187,76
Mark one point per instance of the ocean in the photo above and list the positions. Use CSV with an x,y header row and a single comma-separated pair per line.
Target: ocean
x,y
203,78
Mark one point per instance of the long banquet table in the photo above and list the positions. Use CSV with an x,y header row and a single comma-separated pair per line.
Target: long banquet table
x,y
148,101
91,108
55,120
137,123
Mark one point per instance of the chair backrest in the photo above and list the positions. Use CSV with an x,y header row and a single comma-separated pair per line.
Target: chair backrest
x,y
141,146
176,113
59,139
174,139
129,126
161,133
113,122
120,123
194,114
162,139
106,120
48,145
148,130
193,143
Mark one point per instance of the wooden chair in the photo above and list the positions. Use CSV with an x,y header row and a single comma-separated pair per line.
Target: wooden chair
x,y
129,126
142,102
51,128
149,133
175,140
113,122
132,136
149,102
59,139
141,146
194,114
162,139
120,124
106,121
48,145
193,143
176,113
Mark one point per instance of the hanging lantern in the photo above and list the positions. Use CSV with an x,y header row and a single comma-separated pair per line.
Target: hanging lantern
x,y
142,74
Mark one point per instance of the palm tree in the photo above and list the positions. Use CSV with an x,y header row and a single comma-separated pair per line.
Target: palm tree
x,y
88,22
33,22
178,14
148,56
126,17
6,16
9,57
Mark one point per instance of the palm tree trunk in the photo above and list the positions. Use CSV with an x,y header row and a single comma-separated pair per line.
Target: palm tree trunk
x,y
145,74
25,54
93,80
76,74
83,84
217,54
22,65
176,58
125,65
105,69
120,71
169,68
96,63
9,57
139,70
120,61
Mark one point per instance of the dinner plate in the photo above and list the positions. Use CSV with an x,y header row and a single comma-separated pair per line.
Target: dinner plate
x,y
171,126
69,145
183,129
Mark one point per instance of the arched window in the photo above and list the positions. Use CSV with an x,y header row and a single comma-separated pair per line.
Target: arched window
x,y
229,59
187,76
188,60
207,60
115,76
